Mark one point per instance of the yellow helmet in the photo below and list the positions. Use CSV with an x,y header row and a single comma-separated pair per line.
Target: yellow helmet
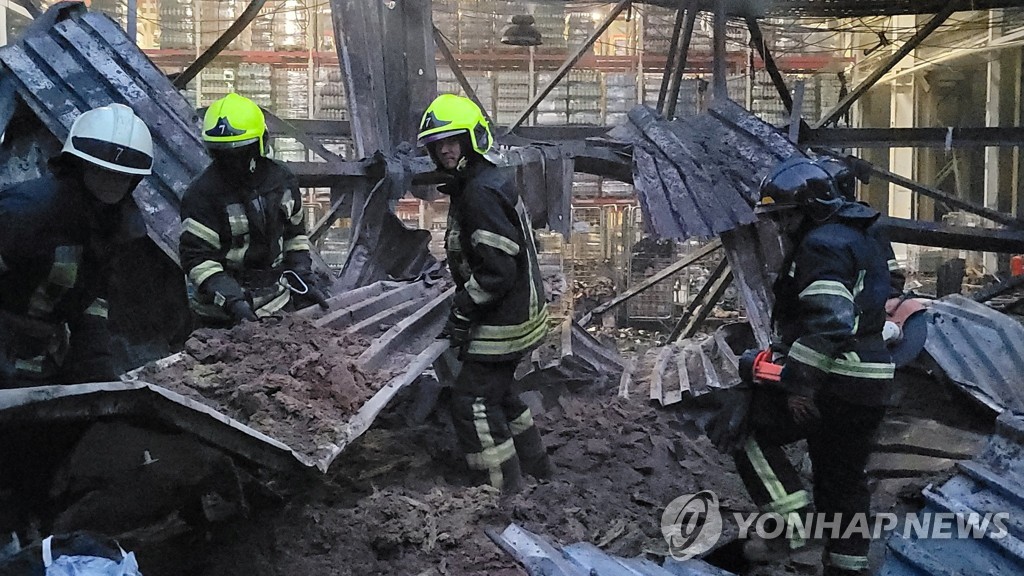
x,y
232,122
450,115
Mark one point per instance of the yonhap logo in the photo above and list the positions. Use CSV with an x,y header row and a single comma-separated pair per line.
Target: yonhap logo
x,y
692,524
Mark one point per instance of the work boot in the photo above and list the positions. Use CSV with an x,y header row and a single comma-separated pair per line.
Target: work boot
x,y
508,477
531,451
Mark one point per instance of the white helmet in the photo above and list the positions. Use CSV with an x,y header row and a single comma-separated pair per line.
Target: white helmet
x,y
112,137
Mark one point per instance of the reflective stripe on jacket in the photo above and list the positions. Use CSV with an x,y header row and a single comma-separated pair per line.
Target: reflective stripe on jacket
x,y
55,249
831,309
238,235
493,259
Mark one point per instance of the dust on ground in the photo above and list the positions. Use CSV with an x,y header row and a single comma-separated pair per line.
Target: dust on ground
x,y
397,500
285,377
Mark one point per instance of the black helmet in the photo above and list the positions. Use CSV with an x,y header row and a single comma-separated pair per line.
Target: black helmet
x,y
841,172
799,182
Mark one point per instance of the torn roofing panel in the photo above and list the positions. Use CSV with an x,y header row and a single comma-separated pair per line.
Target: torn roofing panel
x,y
980,350
84,61
990,484
699,176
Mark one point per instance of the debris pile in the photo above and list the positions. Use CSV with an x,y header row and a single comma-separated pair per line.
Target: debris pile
x,y
284,377
397,501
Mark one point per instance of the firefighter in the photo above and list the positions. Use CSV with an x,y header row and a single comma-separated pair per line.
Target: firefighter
x,y
498,312
846,182
828,317
58,234
243,231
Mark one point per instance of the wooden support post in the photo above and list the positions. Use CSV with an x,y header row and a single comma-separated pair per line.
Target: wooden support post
x,y
796,114
684,54
570,62
660,276
757,39
673,51
836,112
454,66
247,16
918,233
721,63
953,201
700,301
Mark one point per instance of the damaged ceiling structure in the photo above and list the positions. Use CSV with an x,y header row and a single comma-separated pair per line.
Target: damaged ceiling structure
x,y
696,177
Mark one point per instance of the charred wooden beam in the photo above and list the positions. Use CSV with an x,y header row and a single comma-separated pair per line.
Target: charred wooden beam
x,y
951,137
999,289
659,277
453,64
669,109
570,62
721,64
672,53
840,108
757,39
697,311
935,234
247,16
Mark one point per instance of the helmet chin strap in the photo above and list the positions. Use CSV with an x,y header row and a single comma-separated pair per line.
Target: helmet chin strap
x,y
252,166
463,164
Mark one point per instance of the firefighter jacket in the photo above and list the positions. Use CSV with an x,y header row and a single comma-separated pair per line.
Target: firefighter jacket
x,y
239,234
493,259
55,248
830,309
897,279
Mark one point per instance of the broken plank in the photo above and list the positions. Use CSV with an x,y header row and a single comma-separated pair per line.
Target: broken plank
x,y
658,374
660,276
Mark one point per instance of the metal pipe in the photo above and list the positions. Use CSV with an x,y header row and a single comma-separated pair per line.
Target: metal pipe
x,y
670,63
454,65
721,86
684,54
247,16
757,39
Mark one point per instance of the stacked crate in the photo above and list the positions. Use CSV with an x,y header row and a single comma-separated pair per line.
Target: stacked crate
x,y
330,102
291,92
587,240
253,81
549,20
289,150
477,26
579,25
216,16
217,81
446,19
554,108
177,25
261,36
658,24
620,97
585,97
513,95
291,22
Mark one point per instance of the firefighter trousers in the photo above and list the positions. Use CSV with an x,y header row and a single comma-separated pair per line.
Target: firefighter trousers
x,y
494,426
839,444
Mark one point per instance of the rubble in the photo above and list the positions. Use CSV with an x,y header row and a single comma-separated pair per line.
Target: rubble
x,y
285,377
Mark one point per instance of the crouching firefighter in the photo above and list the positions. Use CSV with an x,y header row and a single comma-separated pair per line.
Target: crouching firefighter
x,y
836,371
243,232
498,313
58,234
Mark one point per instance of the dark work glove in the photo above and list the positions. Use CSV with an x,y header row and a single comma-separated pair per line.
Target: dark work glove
x,y
304,287
458,328
727,428
241,311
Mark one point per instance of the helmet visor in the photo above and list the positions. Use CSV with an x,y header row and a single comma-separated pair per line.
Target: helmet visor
x,y
431,138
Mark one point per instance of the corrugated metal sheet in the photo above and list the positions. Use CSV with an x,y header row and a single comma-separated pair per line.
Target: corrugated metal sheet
x,y
980,350
696,366
699,176
570,353
991,483
84,61
541,558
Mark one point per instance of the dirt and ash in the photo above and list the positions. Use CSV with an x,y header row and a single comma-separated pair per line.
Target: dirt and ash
x,y
285,377
396,501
